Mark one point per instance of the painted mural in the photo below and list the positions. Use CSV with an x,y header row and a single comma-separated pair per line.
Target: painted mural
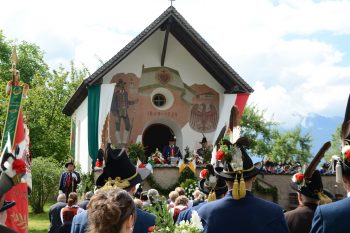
x,y
159,95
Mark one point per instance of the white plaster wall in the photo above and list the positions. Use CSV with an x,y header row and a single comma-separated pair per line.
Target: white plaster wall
x,y
81,145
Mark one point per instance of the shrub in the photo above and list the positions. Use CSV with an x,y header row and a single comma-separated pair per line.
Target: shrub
x,y
45,176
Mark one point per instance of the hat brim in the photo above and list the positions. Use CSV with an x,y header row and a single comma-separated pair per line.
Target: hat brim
x,y
304,190
231,177
218,191
345,168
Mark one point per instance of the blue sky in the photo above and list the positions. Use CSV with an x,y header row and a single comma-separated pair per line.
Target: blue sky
x,y
294,53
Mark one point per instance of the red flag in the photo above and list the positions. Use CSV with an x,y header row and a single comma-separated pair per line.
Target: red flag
x,y
241,101
17,216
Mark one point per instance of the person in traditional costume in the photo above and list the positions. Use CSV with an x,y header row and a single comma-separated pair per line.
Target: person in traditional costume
x,y
210,184
240,211
204,153
172,152
118,172
119,110
157,157
69,179
334,217
310,194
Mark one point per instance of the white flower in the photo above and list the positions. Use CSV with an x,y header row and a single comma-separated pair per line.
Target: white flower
x,y
196,220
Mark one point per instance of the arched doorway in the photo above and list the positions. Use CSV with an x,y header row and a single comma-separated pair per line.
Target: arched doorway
x,y
156,136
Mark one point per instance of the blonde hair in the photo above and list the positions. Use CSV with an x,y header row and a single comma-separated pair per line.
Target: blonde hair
x,y
173,195
180,191
181,200
108,210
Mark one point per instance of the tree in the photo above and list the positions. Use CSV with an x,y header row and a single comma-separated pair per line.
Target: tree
x,y
49,128
291,146
336,145
267,140
30,63
45,174
259,130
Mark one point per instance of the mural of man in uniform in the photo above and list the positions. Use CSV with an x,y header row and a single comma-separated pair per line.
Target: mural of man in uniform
x,y
119,109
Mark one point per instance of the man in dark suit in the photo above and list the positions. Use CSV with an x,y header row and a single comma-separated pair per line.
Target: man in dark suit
x,y
171,151
120,173
69,180
334,217
54,213
83,204
310,194
239,210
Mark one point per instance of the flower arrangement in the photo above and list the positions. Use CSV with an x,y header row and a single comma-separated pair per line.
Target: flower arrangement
x,y
189,186
136,152
193,226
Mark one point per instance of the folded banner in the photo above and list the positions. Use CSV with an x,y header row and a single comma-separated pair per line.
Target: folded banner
x,y
13,114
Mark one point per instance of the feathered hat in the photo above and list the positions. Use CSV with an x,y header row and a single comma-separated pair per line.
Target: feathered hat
x,y
309,183
343,163
211,184
119,172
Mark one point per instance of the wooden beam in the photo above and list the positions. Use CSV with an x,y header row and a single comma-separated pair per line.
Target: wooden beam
x,y
165,44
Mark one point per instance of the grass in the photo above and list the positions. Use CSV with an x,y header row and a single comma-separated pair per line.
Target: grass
x,y
39,223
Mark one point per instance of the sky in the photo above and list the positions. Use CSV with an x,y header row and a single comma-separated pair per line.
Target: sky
x,y
294,53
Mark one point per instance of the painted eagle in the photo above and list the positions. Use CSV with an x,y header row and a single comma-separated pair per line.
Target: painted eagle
x,y
202,120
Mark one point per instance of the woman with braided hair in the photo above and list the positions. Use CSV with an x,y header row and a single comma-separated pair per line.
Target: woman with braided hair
x,y
111,211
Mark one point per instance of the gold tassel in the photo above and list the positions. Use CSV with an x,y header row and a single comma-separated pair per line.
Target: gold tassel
x,y
235,194
324,199
338,173
212,196
242,190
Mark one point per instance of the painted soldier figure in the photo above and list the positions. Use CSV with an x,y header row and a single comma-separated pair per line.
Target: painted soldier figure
x,y
69,180
119,109
240,211
171,151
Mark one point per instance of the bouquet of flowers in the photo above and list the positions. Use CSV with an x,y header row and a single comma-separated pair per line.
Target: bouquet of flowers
x,y
193,226
189,186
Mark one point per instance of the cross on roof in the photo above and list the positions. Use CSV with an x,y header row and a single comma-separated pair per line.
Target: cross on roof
x,y
171,2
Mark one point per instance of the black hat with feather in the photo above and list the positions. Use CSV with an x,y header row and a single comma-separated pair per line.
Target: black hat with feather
x,y
211,184
310,183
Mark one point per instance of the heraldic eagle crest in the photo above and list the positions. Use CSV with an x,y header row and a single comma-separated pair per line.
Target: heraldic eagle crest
x,y
203,120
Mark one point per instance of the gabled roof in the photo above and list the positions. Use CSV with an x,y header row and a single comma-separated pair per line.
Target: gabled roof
x,y
189,38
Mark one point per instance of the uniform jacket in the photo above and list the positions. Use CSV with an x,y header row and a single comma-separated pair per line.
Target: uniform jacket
x,y
247,215
332,218
54,216
63,179
299,220
143,221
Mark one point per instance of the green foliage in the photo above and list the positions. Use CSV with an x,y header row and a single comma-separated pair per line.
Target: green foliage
x,y
273,191
291,145
266,140
49,128
136,151
87,183
164,219
189,186
336,145
257,129
45,176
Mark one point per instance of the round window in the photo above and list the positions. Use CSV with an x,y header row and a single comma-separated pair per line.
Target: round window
x,y
159,100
